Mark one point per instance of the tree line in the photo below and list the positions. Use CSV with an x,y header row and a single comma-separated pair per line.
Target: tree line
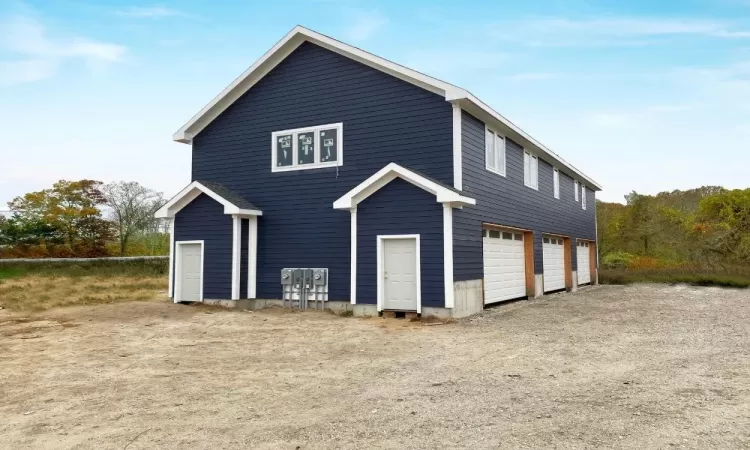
x,y
707,227
84,218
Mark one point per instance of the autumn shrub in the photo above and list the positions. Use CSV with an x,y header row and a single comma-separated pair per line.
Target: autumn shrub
x,y
617,260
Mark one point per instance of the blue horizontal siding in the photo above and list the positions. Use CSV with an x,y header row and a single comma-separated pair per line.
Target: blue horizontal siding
x,y
507,201
385,120
204,219
401,208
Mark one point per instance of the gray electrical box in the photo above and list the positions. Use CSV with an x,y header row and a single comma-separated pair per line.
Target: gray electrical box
x,y
286,276
297,277
319,277
308,276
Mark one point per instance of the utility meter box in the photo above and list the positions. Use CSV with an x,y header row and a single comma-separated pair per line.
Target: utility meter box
x,y
286,276
319,277
308,275
297,277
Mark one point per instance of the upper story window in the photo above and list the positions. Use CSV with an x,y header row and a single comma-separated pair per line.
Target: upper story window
x,y
530,170
583,196
556,182
494,152
576,185
307,148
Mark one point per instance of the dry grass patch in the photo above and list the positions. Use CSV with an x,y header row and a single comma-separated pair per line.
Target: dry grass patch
x,y
38,293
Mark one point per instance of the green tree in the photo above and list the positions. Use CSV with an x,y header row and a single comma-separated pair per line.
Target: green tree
x,y
71,208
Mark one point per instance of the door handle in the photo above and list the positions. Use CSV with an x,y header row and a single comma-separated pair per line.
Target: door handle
x,y
385,275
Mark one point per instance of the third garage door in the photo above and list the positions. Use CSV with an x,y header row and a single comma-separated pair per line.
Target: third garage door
x,y
584,263
504,266
554,263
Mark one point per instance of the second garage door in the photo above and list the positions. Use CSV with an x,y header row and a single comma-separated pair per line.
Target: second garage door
x,y
554,263
504,266
584,263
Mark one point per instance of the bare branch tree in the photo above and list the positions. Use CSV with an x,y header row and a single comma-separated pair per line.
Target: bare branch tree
x,y
132,209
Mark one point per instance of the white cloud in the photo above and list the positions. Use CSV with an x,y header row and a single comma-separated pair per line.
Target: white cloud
x,y
447,62
362,25
633,118
534,76
611,120
614,31
149,12
28,53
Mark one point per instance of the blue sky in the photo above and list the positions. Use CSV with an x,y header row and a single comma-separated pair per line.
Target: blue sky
x,y
640,95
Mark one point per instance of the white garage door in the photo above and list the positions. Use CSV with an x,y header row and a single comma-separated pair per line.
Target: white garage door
x,y
554,263
584,263
504,266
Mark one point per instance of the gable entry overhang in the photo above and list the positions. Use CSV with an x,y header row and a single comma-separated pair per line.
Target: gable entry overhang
x,y
443,194
456,95
233,203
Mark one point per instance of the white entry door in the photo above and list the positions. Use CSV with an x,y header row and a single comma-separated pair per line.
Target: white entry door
x,y
584,263
189,272
400,274
504,266
554,263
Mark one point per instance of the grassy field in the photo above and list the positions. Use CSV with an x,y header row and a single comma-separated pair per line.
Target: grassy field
x,y
40,286
737,277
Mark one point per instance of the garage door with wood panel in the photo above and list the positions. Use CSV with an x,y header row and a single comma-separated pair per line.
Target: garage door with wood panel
x,y
504,265
584,262
554,263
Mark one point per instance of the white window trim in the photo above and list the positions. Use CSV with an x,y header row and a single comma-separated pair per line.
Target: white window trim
x,y
556,182
576,185
178,268
381,266
317,164
533,182
500,169
583,196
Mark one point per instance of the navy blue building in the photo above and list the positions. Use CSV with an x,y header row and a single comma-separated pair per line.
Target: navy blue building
x,y
410,192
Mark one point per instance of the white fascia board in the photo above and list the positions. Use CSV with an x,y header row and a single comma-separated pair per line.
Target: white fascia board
x,y
388,174
484,112
278,53
193,190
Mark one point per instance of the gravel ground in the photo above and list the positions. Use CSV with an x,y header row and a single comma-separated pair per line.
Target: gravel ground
x,y
616,367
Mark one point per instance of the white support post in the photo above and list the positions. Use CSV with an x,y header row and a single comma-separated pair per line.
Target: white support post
x,y
236,241
171,258
252,258
448,254
457,156
353,269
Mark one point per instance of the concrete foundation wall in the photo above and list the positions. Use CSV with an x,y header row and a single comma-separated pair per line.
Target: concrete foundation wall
x,y
575,282
255,304
469,298
538,285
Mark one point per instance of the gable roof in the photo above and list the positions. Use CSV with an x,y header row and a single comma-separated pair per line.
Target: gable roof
x,y
452,93
232,202
442,192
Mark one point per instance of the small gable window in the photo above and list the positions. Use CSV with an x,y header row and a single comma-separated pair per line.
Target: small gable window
x,y
307,148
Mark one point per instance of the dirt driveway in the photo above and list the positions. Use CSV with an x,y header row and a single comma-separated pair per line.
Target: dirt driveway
x,y
616,367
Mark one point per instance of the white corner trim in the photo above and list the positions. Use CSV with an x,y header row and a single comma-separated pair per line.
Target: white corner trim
x,y
178,268
353,268
389,173
381,266
236,243
457,156
171,260
252,258
448,254
190,193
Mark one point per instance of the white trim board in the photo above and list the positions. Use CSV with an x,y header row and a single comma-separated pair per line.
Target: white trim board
x,y
236,255
252,257
353,258
392,171
190,193
178,254
380,239
299,35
